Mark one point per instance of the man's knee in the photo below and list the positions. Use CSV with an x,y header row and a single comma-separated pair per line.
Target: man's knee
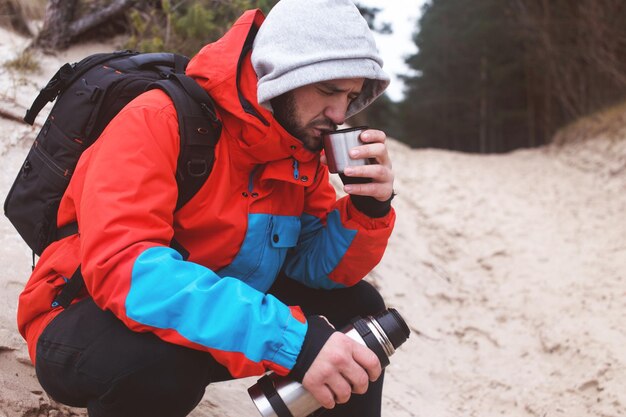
x,y
346,304
370,300
339,306
171,386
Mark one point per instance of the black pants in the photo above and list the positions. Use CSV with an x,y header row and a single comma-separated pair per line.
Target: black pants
x,y
86,357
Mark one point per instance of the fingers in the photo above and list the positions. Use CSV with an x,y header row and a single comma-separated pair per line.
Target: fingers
x,y
323,395
377,151
341,368
378,173
327,387
374,147
340,388
368,361
373,135
381,186
381,173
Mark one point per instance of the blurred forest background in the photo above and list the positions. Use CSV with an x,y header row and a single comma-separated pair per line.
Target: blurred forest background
x,y
489,75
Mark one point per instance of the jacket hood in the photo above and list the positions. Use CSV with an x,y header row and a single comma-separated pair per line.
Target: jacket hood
x,y
224,70
305,42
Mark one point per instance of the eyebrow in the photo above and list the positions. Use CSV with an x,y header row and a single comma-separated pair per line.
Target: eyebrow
x,y
333,88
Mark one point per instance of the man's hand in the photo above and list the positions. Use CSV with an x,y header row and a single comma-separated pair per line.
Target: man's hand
x,y
381,187
341,368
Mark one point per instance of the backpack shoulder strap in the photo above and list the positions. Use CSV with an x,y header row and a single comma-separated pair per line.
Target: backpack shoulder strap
x,y
65,76
199,130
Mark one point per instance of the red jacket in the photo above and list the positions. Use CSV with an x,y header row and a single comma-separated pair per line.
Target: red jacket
x,y
267,205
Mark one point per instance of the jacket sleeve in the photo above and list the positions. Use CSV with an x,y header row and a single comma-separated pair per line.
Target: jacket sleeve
x,y
338,244
125,219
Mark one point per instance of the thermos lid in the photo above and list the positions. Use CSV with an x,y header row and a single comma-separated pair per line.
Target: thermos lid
x,y
394,326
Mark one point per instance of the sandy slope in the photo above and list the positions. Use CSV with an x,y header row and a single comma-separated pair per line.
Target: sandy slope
x,y
510,269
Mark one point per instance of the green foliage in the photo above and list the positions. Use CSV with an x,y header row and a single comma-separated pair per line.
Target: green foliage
x,y
196,23
469,91
24,62
184,26
369,14
493,75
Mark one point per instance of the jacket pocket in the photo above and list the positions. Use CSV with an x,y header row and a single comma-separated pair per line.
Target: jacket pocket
x,y
285,231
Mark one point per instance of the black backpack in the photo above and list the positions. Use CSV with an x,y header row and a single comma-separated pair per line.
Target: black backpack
x,y
89,94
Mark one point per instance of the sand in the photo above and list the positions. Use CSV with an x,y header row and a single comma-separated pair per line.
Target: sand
x,y
509,269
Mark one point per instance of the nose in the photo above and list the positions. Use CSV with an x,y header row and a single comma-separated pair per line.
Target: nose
x,y
336,112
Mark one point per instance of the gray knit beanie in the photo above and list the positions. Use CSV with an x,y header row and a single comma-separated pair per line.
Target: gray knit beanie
x,y
303,42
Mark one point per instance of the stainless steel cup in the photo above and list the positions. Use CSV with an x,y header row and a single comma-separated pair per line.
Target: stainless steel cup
x,y
338,143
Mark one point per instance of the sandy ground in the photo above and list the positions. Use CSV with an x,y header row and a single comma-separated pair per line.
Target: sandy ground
x,y
509,269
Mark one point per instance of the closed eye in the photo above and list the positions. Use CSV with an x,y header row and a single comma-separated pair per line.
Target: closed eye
x,y
329,89
326,92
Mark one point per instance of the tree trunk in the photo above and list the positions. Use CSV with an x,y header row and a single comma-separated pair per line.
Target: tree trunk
x,y
530,100
60,29
54,34
97,18
484,120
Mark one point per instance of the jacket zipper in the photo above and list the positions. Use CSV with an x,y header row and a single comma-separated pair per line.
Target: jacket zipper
x,y
296,172
251,179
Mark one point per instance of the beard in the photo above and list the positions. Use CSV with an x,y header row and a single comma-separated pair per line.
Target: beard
x,y
286,113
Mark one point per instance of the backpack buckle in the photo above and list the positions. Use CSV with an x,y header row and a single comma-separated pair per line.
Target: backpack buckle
x,y
197,168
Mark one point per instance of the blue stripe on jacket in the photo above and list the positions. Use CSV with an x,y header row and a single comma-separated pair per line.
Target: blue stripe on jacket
x,y
264,249
319,251
169,293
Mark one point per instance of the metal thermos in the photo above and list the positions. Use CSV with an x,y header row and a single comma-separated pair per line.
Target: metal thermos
x,y
276,396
